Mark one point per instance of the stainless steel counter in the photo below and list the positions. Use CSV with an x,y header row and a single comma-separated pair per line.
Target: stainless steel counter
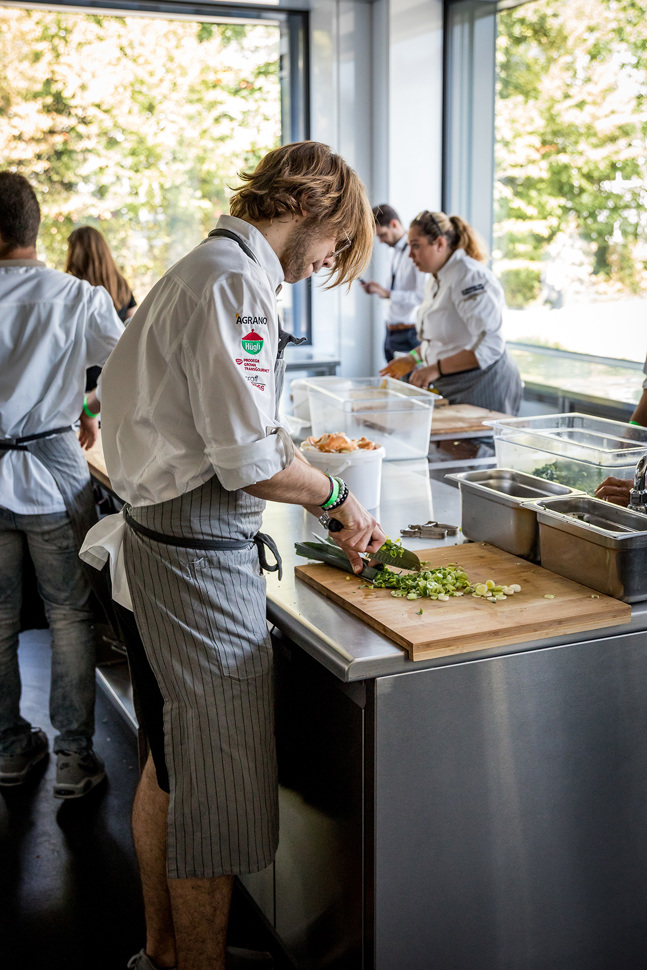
x,y
345,645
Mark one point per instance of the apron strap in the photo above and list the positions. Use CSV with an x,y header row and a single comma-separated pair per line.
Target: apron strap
x,y
181,541
232,235
18,444
264,541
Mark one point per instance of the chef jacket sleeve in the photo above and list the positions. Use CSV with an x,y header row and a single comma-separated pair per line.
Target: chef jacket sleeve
x,y
229,350
104,328
645,372
478,299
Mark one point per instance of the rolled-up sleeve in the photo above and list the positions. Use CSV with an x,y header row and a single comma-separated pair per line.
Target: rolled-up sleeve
x,y
478,299
229,351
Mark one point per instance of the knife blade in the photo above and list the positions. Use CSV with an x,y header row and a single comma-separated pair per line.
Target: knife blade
x,y
408,559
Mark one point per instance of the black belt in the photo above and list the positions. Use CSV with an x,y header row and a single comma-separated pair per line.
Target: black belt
x,y
260,540
18,444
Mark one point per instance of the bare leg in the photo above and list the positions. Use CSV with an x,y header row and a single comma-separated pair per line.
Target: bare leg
x,y
200,917
150,812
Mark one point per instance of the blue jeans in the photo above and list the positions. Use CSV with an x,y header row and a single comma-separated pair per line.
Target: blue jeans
x,y
65,591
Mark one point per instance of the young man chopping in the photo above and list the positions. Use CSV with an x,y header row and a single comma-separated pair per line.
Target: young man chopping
x,y
194,444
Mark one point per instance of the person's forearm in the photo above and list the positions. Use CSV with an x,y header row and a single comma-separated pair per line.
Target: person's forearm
x,y
640,414
92,402
298,484
463,360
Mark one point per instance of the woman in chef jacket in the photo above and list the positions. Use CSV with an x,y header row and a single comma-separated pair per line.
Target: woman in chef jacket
x,y
462,351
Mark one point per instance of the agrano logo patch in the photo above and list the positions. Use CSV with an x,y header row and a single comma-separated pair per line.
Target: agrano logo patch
x,y
250,321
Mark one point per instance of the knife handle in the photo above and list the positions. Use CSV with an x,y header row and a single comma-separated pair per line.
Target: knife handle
x,y
335,525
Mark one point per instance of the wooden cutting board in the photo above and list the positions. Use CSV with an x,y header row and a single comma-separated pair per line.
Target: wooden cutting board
x,y
462,418
465,624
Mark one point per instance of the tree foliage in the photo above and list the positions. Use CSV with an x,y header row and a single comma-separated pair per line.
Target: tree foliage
x,y
572,136
136,126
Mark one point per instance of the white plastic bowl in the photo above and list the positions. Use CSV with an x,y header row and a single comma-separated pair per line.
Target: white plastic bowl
x,y
361,470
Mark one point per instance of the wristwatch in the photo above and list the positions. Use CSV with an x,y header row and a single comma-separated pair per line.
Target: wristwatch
x,y
332,525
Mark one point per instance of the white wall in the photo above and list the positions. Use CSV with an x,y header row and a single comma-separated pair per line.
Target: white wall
x,y
376,83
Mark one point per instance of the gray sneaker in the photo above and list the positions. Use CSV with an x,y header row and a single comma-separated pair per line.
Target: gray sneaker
x,y
77,773
14,768
142,962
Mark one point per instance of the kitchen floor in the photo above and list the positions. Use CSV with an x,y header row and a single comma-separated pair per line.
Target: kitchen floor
x,y
69,888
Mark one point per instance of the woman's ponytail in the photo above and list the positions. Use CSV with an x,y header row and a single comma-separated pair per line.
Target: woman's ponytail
x,y
458,233
467,238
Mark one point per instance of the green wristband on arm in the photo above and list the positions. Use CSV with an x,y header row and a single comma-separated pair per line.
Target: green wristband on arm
x,y
87,409
416,356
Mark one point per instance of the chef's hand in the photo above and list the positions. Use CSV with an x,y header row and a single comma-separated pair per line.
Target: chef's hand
x,y
398,367
89,431
372,287
361,532
615,490
424,376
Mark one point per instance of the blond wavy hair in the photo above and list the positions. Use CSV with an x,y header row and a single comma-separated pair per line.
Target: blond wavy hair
x,y
458,233
309,177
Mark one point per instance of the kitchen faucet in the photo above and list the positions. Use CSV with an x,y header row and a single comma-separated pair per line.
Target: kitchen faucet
x,y
638,494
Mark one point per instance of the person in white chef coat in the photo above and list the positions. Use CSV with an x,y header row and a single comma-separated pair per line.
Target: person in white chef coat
x,y
462,351
406,287
53,327
194,444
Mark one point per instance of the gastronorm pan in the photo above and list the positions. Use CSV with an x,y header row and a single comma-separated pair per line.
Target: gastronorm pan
x,y
493,507
595,543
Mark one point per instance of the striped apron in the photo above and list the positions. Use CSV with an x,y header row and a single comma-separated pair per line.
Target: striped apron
x,y
198,593
497,387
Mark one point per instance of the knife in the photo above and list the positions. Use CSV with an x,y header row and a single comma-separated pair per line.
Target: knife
x,y
408,559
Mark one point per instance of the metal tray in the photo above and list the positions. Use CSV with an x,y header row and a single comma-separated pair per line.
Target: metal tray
x,y
494,507
595,543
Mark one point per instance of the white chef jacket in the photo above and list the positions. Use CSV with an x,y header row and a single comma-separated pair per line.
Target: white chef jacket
x,y
189,390
462,310
54,327
407,285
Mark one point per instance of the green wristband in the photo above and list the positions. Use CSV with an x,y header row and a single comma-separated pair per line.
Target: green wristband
x,y
333,498
637,423
416,356
87,409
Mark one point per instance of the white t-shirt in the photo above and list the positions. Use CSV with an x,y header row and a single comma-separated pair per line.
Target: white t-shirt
x,y
54,327
407,285
462,310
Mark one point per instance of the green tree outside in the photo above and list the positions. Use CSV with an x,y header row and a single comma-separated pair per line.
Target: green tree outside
x,y
136,126
571,144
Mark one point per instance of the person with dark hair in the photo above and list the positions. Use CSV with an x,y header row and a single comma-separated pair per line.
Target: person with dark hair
x,y
194,444
53,328
89,258
462,352
406,284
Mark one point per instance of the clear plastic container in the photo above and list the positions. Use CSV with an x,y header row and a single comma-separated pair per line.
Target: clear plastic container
x,y
574,449
392,413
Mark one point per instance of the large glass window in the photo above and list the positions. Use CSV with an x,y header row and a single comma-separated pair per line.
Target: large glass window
x,y
570,218
138,126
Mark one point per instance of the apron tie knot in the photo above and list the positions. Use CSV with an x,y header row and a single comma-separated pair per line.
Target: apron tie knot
x,y
262,540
